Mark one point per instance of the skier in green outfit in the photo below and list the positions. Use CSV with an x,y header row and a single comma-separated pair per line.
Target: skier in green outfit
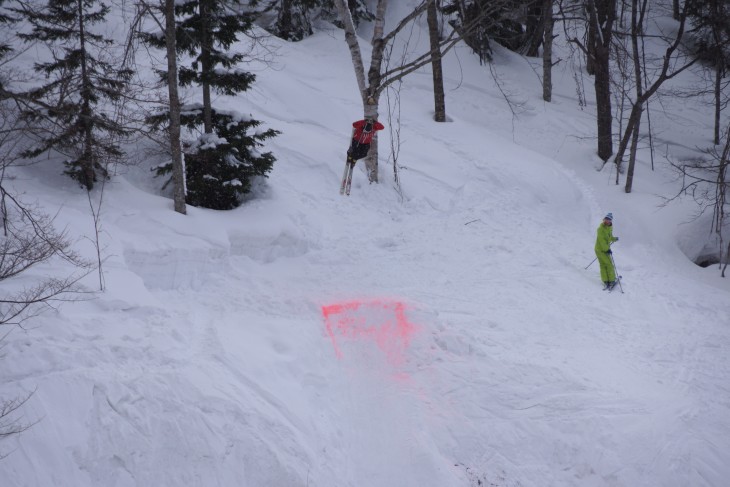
x,y
604,239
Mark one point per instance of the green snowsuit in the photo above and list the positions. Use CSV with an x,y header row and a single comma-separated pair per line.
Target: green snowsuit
x,y
604,239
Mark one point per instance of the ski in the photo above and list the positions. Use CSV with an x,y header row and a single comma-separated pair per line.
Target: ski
x,y
615,283
344,178
347,179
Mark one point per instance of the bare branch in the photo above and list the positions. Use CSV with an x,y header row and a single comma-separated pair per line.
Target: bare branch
x,y
10,425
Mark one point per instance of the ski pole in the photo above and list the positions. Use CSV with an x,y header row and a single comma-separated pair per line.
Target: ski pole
x,y
618,277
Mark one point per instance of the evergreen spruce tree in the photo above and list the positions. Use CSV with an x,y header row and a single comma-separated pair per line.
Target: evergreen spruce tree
x,y
4,48
478,38
710,29
221,162
292,19
358,10
287,19
81,85
515,24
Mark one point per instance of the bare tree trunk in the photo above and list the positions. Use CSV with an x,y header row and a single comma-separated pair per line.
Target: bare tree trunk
x,y
205,62
717,11
621,14
719,74
675,9
602,15
632,154
284,22
604,116
547,52
721,197
351,40
178,168
87,159
438,74
535,26
636,110
375,78
636,29
591,49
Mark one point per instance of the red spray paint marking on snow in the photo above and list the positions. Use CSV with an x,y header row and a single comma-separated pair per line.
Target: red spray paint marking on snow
x,y
383,322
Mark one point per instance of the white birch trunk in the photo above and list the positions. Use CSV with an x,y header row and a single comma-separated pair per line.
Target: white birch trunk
x,y
370,102
377,80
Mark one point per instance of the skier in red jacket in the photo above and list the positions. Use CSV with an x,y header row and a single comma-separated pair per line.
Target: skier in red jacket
x,y
361,139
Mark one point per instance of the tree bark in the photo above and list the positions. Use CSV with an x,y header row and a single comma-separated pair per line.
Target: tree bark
x,y
436,68
719,73
591,49
604,116
602,14
636,112
205,62
534,27
178,168
351,40
720,66
284,22
87,158
547,52
636,29
721,197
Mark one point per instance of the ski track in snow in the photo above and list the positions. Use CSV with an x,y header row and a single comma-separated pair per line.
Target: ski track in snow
x,y
501,363
609,378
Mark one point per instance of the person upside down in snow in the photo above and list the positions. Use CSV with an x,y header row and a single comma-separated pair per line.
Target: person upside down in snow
x,y
604,239
364,131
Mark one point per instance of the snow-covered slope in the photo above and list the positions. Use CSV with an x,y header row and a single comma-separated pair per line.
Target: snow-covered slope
x,y
444,335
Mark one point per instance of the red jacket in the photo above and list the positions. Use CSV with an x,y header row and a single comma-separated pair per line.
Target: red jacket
x,y
363,137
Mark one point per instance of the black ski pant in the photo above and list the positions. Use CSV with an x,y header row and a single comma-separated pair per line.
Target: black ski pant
x,y
357,151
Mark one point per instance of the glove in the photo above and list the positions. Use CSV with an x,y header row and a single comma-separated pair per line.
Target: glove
x,y
609,252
